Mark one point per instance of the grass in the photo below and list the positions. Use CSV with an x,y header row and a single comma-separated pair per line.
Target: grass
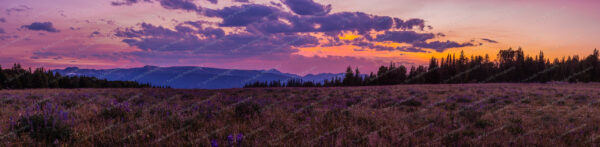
x,y
405,115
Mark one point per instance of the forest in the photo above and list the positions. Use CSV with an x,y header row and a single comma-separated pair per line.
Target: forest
x,y
19,78
511,66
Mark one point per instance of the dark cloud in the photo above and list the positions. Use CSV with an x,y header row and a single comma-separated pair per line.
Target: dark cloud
x,y
94,34
404,36
371,45
489,40
307,7
332,24
411,49
187,5
5,37
243,1
19,8
409,24
244,15
127,2
41,26
2,20
213,41
213,1
179,4
441,46
2,31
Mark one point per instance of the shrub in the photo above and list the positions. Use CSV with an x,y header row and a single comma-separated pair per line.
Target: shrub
x,y
383,103
43,128
482,124
470,114
113,112
451,139
247,109
336,115
515,129
69,103
187,96
579,98
411,102
463,100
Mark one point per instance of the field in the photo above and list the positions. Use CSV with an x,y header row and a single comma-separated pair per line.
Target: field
x,y
405,115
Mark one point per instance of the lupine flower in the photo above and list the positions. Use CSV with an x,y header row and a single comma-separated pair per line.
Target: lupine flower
x,y
214,143
30,124
239,138
230,140
12,123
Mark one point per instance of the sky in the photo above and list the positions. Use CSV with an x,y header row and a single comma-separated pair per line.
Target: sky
x,y
292,36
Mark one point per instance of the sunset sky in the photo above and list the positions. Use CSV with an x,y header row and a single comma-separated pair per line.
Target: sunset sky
x,y
294,36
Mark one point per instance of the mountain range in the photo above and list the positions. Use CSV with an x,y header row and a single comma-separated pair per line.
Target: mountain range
x,y
190,77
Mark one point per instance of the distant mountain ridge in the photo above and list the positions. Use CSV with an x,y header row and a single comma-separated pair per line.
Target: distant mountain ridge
x,y
191,77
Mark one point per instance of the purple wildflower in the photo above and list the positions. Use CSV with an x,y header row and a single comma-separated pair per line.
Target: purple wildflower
x,y
214,143
12,123
239,138
230,140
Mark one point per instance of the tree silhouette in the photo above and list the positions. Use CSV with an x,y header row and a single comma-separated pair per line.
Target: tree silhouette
x,y
511,66
19,78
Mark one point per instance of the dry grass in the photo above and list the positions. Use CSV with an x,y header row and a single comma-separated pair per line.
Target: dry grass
x,y
407,115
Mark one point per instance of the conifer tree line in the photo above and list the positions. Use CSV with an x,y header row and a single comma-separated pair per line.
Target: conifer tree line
x,y
19,78
511,66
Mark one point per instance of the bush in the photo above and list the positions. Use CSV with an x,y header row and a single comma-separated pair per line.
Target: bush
x,y
43,128
451,139
336,115
69,103
383,103
247,109
482,124
515,129
411,102
470,114
113,112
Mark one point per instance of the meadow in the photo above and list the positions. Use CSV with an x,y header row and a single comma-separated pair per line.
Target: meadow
x,y
403,115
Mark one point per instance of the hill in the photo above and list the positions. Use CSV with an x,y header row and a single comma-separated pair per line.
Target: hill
x,y
189,77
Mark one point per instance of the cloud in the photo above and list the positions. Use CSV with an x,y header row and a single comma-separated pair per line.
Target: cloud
x,y
244,15
179,4
409,24
127,2
332,24
411,49
441,46
404,36
307,7
5,37
19,8
2,31
41,26
187,5
94,34
489,40
2,20
212,41
213,1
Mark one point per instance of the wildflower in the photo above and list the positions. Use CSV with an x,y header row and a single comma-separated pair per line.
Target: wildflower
x,y
12,123
239,139
230,139
214,143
